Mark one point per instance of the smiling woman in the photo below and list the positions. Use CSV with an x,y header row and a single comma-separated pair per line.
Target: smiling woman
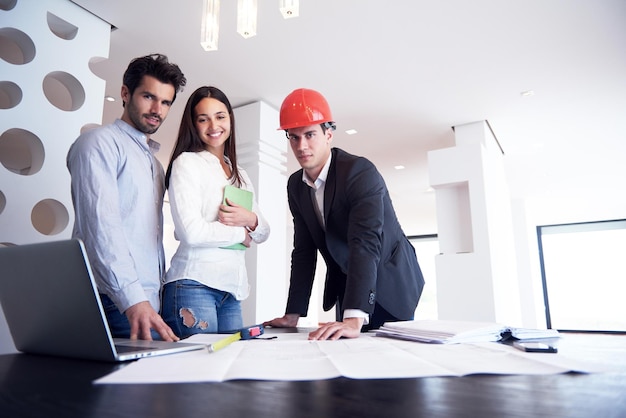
x,y
207,278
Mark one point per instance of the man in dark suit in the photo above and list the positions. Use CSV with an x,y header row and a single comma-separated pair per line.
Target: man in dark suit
x,y
341,207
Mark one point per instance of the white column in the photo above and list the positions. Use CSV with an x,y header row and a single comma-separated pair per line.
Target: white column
x,y
476,270
261,151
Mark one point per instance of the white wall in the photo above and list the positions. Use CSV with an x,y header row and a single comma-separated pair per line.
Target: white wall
x,y
588,206
467,286
59,96
47,95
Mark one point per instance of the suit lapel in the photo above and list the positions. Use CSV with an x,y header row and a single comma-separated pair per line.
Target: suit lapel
x,y
308,213
329,190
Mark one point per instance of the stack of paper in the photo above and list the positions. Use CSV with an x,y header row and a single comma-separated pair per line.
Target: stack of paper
x,y
530,333
448,332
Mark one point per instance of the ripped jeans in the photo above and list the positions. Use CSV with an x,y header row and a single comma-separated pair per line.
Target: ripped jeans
x,y
190,307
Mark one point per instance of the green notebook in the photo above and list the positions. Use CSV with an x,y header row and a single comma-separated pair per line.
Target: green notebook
x,y
242,198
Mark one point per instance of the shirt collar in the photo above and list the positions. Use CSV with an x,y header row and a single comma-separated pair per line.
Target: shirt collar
x,y
138,136
208,155
321,178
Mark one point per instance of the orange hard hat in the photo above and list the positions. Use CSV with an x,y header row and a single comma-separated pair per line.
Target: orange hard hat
x,y
304,107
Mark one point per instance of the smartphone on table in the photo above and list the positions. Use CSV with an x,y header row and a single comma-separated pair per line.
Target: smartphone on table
x,y
535,347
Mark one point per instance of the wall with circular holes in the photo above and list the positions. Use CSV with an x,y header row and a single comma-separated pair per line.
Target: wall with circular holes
x,y
48,95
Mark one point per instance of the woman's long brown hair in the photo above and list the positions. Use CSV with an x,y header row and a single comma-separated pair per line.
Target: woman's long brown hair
x,y
188,139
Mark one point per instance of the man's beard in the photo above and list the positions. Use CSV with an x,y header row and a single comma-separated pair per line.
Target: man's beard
x,y
137,120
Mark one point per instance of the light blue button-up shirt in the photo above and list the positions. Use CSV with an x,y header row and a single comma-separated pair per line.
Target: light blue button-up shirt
x,y
117,190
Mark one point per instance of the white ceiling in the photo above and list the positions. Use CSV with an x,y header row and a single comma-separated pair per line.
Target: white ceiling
x,y
403,72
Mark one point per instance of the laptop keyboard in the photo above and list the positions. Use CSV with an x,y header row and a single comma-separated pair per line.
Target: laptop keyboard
x,y
121,349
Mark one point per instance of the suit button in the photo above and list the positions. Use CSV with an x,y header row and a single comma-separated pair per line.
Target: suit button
x,y
372,298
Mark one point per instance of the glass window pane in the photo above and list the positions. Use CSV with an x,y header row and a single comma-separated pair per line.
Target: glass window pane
x,y
584,269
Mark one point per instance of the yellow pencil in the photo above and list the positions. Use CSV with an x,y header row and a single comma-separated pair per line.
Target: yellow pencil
x,y
243,334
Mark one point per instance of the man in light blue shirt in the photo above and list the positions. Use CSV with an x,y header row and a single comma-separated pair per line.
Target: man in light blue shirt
x,y
117,191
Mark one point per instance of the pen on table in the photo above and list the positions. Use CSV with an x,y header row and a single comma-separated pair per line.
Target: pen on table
x,y
243,334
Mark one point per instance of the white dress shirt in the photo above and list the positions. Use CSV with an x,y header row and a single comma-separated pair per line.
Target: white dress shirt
x,y
196,190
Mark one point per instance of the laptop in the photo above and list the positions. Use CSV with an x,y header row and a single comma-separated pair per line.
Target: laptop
x,y
51,304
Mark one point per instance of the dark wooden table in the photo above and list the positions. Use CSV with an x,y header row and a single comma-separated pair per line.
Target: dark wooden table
x,y
39,386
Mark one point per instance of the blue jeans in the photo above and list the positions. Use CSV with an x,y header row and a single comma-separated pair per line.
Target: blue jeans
x,y
118,322
191,308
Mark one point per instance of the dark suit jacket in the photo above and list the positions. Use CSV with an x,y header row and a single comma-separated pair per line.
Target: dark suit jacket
x,y
368,257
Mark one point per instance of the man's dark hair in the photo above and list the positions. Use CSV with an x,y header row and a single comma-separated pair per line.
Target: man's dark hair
x,y
157,66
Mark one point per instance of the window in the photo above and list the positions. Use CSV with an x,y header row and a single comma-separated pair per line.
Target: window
x,y
583,268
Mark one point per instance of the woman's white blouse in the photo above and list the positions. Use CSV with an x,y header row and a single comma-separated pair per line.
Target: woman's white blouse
x,y
196,190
